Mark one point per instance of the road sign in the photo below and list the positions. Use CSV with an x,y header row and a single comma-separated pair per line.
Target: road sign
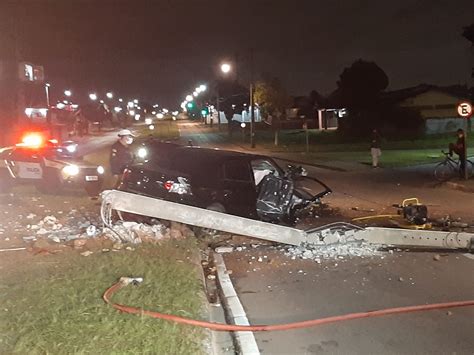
x,y
465,109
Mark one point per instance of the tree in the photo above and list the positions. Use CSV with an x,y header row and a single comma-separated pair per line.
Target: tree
x,y
361,84
232,97
359,89
273,100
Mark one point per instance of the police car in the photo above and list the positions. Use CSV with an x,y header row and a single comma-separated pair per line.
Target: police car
x,y
48,165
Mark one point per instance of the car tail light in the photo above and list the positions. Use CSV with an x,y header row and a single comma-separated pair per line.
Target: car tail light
x,y
168,185
181,187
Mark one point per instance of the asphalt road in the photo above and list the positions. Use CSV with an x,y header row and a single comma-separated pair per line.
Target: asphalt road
x,y
281,290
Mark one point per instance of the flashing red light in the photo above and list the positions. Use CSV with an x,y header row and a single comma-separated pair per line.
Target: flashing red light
x,y
33,140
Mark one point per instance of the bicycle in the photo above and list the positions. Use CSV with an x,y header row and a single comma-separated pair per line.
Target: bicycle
x,y
449,168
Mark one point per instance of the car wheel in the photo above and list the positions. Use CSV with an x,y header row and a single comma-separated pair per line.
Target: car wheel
x,y
50,183
6,181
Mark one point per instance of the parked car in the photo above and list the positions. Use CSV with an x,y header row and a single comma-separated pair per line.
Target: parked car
x,y
48,165
247,185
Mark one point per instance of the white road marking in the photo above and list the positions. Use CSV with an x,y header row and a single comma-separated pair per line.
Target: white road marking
x,y
248,344
469,256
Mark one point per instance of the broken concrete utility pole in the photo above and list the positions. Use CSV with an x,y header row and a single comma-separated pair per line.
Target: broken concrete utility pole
x,y
332,233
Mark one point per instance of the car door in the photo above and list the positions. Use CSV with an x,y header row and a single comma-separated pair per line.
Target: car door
x,y
239,186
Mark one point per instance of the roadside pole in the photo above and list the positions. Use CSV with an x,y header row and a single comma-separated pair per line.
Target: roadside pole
x,y
218,107
465,111
305,127
252,103
466,126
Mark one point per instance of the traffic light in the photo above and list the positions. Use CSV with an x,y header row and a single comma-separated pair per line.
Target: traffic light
x,y
190,105
204,111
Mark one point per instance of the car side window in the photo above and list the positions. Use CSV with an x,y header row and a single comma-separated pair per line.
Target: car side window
x,y
237,170
261,168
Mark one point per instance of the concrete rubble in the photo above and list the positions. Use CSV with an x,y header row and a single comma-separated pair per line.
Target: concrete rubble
x,y
135,233
70,228
76,227
333,244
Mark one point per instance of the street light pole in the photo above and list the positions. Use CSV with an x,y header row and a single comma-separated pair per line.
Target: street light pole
x,y
252,117
252,103
218,107
225,68
46,87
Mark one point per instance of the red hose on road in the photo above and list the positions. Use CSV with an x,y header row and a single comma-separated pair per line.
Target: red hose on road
x,y
259,328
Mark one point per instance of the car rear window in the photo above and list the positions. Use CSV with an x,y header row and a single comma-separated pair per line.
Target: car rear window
x,y
199,167
237,169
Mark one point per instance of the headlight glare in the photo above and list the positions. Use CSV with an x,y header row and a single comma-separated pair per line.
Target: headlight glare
x,y
71,170
142,153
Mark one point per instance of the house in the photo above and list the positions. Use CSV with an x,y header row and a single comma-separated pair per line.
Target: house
x,y
437,105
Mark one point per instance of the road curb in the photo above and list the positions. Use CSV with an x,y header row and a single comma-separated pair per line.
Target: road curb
x,y
245,340
460,187
220,343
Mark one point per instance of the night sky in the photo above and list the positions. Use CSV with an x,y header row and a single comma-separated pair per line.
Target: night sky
x,y
160,50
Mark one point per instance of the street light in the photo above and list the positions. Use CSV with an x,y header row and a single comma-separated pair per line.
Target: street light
x,y
203,87
67,92
189,98
226,68
109,95
93,96
195,93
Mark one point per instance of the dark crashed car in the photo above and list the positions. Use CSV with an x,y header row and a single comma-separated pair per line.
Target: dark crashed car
x,y
246,185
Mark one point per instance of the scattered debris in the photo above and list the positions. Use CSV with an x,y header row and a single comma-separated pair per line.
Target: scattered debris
x,y
78,243
135,233
437,257
224,249
87,253
333,250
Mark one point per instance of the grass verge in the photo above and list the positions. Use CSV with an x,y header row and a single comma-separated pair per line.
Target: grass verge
x,y
59,309
327,147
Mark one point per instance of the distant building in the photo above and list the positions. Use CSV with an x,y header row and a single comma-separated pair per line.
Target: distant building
x,y
437,105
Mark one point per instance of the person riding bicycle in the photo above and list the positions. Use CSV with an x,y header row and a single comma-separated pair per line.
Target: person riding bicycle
x,y
460,149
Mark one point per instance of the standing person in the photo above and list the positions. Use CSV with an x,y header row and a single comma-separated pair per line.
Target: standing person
x,y
460,149
121,156
375,148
